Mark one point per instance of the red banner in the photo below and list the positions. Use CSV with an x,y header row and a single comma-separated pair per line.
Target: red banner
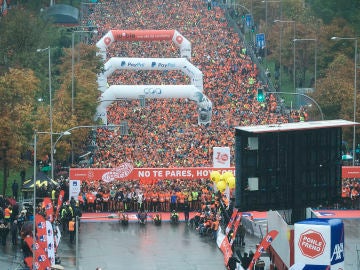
x,y
126,172
350,172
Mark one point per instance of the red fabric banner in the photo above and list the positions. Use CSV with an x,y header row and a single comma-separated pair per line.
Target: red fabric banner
x,y
60,201
127,172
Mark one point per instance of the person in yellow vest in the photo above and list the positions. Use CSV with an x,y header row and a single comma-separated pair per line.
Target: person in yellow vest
x,y
72,230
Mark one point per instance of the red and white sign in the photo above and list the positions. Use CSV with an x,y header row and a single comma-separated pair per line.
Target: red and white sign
x,y
144,174
221,157
311,243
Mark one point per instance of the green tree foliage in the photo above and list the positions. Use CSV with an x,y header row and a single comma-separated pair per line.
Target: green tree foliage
x,y
22,32
331,9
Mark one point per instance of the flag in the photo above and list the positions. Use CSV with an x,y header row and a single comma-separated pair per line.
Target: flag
x,y
49,209
42,261
264,244
41,231
50,242
60,201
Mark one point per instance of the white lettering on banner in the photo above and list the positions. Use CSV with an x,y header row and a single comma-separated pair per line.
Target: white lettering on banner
x,y
178,173
144,173
202,173
338,252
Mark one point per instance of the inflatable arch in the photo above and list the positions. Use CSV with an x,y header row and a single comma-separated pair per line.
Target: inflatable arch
x,y
116,92
144,35
121,63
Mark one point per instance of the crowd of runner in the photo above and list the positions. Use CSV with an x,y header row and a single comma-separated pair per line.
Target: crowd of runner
x,y
165,133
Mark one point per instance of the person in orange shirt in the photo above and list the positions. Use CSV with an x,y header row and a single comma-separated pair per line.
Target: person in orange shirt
x,y
167,200
90,198
161,201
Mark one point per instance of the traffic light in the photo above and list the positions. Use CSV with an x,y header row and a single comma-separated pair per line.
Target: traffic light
x,y
260,95
209,4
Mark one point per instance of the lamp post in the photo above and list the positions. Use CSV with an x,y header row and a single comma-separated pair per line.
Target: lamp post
x,y
281,21
355,96
72,64
51,109
315,67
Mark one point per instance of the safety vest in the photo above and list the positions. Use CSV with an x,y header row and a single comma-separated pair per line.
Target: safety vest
x,y
7,213
71,226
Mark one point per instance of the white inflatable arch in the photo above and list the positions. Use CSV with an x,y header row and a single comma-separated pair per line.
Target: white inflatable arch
x,y
144,35
118,92
123,63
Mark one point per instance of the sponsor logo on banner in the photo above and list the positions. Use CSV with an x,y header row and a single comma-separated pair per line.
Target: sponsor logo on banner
x,y
221,157
311,244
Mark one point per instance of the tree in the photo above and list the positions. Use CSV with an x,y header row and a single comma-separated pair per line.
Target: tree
x,y
335,92
17,88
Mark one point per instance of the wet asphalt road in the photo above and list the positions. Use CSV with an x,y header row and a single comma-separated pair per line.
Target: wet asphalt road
x,y
133,247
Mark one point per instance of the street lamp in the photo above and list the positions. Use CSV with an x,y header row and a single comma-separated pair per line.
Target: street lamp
x,y
315,67
281,21
355,97
72,64
51,109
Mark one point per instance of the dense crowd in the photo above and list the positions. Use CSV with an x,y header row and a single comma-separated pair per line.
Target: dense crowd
x,y
165,132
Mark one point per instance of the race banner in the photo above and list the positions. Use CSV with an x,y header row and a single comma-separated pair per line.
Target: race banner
x,y
221,157
126,171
